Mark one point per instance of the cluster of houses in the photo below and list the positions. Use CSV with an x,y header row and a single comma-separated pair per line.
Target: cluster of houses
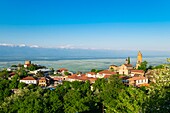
x,y
48,79
131,75
43,81
128,74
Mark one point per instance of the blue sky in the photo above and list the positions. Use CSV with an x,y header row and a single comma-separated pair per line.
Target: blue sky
x,y
87,24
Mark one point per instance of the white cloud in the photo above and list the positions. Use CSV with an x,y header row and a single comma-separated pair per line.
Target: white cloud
x,y
4,44
66,47
69,46
22,45
18,45
34,46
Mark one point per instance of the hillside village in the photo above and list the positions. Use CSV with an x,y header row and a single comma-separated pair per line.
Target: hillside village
x,y
44,77
126,88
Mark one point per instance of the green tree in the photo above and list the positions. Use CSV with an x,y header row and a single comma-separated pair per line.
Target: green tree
x,y
4,74
14,82
73,102
93,70
143,66
32,67
76,85
21,85
55,103
119,98
158,67
22,73
66,73
158,99
31,86
128,60
14,65
40,74
99,85
4,89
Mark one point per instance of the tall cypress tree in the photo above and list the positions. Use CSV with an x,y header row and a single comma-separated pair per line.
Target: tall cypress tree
x,y
128,60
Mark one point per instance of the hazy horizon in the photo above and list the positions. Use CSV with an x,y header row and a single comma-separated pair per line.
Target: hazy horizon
x,y
75,59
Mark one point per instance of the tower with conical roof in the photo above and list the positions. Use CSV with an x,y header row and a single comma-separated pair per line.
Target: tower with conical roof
x,y
139,60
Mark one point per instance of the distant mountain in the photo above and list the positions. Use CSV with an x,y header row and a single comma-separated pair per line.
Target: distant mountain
x,y
27,52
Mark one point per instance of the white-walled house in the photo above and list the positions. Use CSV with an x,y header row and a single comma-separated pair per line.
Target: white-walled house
x,y
137,81
91,74
29,80
137,72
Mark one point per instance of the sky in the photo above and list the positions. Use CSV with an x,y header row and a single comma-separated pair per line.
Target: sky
x,y
86,24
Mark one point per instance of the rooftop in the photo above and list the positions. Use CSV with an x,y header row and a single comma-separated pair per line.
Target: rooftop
x,y
107,72
28,78
128,65
42,78
62,69
137,78
139,71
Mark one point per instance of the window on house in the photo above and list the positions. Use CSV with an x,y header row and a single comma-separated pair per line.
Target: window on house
x,y
140,81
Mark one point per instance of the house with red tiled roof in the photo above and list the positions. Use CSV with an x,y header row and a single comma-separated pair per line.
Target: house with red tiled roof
x,y
106,76
92,80
135,72
137,81
72,78
80,77
57,80
104,73
62,70
29,80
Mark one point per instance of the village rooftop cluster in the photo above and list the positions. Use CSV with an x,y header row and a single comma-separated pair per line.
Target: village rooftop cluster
x,y
50,78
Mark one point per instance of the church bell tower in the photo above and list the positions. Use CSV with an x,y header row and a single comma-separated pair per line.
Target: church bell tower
x,y
139,60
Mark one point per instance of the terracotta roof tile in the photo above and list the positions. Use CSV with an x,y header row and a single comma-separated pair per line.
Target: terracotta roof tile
x,y
83,77
42,78
12,74
56,79
63,69
137,78
106,76
128,65
28,78
107,72
138,71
